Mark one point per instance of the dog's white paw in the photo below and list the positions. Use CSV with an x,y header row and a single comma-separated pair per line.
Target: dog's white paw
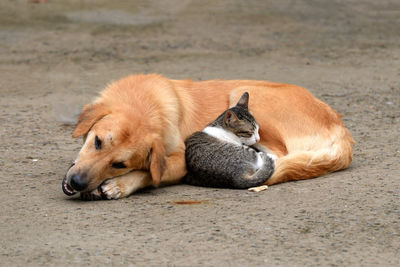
x,y
111,190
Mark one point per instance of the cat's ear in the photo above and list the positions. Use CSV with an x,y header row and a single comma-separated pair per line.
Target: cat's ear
x,y
157,161
244,101
230,118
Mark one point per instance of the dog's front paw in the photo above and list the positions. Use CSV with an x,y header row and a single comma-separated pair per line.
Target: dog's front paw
x,y
111,190
92,195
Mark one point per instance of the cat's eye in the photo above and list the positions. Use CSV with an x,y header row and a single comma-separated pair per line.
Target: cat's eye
x,y
118,165
97,143
243,134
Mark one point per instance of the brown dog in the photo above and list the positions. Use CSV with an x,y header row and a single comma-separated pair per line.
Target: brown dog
x,y
134,132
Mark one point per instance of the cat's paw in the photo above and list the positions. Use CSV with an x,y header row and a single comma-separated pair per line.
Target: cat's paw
x,y
268,156
272,156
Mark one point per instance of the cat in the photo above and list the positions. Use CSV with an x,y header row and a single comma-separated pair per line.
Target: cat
x,y
221,156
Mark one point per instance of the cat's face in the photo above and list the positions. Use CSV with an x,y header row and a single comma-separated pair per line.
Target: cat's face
x,y
249,138
240,122
247,133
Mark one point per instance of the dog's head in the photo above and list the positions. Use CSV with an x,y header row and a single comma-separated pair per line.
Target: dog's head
x,y
115,143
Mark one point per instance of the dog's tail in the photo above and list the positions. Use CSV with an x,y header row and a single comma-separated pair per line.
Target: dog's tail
x,y
336,154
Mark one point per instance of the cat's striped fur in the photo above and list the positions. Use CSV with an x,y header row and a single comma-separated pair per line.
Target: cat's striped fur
x,y
220,156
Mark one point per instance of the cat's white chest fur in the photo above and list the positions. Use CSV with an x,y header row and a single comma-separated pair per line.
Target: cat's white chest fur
x,y
222,135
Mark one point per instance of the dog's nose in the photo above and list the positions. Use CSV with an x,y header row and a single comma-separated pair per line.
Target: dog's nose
x,y
78,182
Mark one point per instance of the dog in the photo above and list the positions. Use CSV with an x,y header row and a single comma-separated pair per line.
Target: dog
x,y
134,132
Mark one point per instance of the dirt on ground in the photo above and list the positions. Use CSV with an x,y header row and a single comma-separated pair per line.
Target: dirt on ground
x,y
56,55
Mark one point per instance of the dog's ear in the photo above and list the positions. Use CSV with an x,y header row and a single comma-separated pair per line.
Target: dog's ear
x,y
157,161
89,116
244,101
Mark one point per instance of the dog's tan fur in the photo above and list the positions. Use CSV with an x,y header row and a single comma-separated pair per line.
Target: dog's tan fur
x,y
143,121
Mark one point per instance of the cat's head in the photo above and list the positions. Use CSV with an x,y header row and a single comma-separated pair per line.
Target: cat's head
x,y
239,121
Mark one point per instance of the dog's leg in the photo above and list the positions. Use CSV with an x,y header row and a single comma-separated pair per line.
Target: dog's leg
x,y
123,186
175,167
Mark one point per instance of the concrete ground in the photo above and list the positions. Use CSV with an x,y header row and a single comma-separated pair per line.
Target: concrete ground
x,y
55,57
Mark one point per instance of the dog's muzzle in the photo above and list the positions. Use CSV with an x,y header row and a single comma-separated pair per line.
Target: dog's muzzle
x,y
67,189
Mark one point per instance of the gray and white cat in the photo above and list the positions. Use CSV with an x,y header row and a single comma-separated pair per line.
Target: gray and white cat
x,y
220,156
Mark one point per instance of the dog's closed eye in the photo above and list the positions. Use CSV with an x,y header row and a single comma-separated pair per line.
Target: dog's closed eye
x,y
118,165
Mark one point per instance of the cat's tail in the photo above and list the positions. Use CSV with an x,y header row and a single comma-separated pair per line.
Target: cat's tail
x,y
302,164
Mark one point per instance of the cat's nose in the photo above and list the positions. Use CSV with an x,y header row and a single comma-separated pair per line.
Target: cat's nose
x,y
257,137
